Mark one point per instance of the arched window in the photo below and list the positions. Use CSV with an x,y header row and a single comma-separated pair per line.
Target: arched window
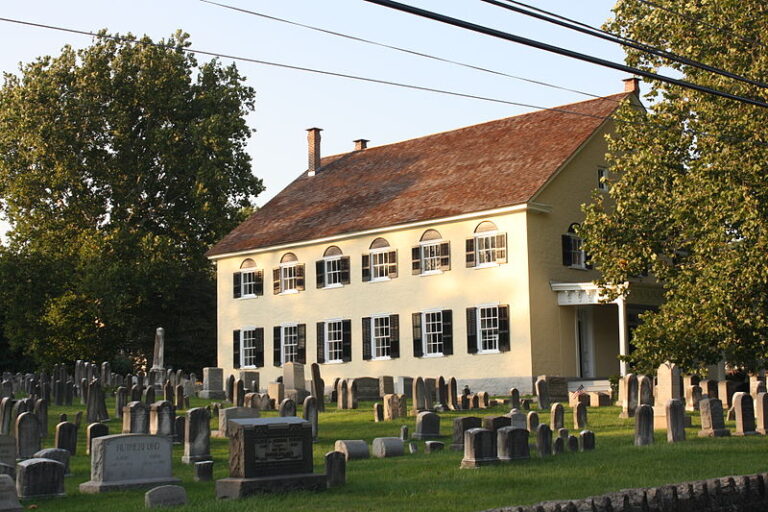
x,y
248,282
432,255
289,276
380,264
488,248
332,251
430,235
333,270
288,257
573,253
247,263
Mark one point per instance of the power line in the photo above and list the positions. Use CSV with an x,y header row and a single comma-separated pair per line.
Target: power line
x,y
702,22
400,49
561,51
571,24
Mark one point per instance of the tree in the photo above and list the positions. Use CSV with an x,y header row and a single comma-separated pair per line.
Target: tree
x,y
689,196
120,164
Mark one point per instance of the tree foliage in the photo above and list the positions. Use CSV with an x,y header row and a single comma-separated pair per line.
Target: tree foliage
x,y
120,164
689,195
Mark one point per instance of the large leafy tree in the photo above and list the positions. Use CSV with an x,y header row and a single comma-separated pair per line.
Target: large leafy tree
x,y
689,192
120,164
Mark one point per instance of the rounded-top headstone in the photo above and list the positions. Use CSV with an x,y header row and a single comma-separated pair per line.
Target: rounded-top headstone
x,y
165,496
352,448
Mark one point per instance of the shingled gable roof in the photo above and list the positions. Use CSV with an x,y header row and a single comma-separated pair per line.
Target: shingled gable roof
x,y
477,168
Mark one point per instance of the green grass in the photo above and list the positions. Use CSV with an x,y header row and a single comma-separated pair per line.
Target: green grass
x,y
435,482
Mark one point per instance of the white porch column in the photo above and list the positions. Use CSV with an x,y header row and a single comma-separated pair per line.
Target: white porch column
x,y
623,334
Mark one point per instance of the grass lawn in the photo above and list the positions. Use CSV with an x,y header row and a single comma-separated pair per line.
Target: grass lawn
x,y
435,482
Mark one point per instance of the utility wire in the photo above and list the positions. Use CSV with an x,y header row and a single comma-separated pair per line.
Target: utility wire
x,y
701,22
571,24
400,49
562,51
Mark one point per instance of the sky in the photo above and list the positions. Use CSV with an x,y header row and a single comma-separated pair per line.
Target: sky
x,y
288,102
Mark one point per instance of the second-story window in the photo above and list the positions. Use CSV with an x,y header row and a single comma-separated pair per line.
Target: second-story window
x,y
380,264
432,255
289,276
573,251
333,270
248,281
488,247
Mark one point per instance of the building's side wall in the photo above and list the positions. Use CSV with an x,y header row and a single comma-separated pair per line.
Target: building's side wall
x,y
456,289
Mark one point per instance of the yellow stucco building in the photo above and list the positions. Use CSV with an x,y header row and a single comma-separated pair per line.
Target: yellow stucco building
x,y
453,254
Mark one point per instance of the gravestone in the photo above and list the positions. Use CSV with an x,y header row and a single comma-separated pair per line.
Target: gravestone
x,y
136,392
165,496
93,431
404,432
197,436
517,419
203,471
427,425
38,478
391,407
512,444
226,416
669,387
352,448
745,414
250,380
178,398
287,408
643,425
533,421
433,446
712,421
573,443
761,413
384,447
629,395
66,437
494,423
693,396
580,416
726,389
179,424
419,396
9,500
309,413
404,386
341,394
586,440
514,398
27,435
542,393
556,417
135,418
645,390
479,448
558,446
386,385
709,389
453,394
7,450
6,416
484,400
293,376
352,393
268,455
41,411
121,400
213,384
335,469
161,418
148,395
229,388
238,393
429,396
57,454
318,387
675,422
126,461
544,440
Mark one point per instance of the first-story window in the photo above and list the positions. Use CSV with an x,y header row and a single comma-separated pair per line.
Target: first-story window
x,y
334,341
290,342
381,337
433,333
248,347
488,329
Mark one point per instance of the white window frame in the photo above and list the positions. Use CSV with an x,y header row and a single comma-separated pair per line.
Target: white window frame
x,y
283,337
578,256
602,173
327,262
327,340
374,338
252,272
423,258
284,280
243,348
490,235
425,334
479,328
372,255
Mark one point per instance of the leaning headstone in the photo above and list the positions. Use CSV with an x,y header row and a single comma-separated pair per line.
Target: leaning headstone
x,y
745,414
586,440
197,436
9,500
335,469
384,447
544,440
427,425
479,448
675,422
27,435
287,408
213,384
135,418
309,413
66,437
512,444
203,471
39,478
165,496
712,421
352,448
93,431
125,461
556,417
761,413
542,392
644,425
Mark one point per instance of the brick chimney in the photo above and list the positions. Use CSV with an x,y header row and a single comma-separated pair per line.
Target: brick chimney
x,y
313,150
361,144
632,85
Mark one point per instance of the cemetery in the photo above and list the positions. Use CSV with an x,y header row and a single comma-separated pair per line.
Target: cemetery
x,y
165,438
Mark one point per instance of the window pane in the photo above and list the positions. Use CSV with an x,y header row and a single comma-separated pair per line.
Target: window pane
x,y
379,264
332,272
290,344
381,339
288,276
489,328
485,246
248,282
333,341
433,333
430,257
248,347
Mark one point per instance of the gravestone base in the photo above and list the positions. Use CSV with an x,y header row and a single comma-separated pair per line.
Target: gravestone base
x,y
717,432
92,487
212,394
476,463
660,422
236,488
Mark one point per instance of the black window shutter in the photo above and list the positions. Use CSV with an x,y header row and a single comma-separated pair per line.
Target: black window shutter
x,y
471,330
259,347
236,349
504,328
320,271
276,345
394,336
501,248
344,266
445,256
259,282
276,280
418,350
346,340
392,271
236,285
301,343
416,260
447,332
300,277
567,253
320,342
470,252
367,338
366,267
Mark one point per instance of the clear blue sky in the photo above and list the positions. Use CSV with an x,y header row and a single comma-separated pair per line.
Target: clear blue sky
x,y
288,102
